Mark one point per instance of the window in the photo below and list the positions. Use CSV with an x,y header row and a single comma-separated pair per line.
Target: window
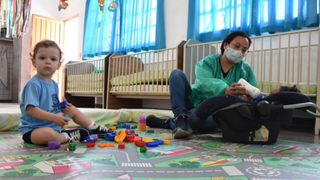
x,y
212,20
218,10
134,27
142,22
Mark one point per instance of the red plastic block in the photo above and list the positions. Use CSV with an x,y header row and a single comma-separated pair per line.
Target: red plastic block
x,y
129,138
136,138
121,145
91,144
140,143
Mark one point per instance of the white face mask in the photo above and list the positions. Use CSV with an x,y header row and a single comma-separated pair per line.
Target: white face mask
x,y
235,56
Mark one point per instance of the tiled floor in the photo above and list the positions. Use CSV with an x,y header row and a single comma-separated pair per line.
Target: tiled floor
x,y
300,133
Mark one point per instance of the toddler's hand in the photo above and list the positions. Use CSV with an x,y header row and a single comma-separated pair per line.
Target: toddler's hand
x,y
67,109
60,120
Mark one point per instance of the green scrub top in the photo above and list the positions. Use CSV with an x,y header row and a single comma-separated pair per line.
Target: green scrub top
x,y
210,81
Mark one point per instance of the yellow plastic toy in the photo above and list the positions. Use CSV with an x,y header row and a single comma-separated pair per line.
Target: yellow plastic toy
x,y
166,142
120,137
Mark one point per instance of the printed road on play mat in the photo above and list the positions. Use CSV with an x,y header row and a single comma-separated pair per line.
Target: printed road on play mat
x,y
201,157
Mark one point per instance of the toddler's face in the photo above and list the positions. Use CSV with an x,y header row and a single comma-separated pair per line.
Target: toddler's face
x,y
46,62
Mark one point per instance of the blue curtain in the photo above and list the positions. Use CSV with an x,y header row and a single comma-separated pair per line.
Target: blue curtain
x,y
98,27
251,16
135,26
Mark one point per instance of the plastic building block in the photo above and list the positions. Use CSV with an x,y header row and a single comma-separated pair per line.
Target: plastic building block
x,y
143,149
109,137
159,141
166,142
110,145
140,143
120,125
63,104
129,138
106,145
150,131
66,147
125,131
91,144
102,145
131,131
92,138
95,137
134,126
151,144
142,124
136,138
127,126
121,145
148,140
120,137
112,128
53,145
72,146
113,124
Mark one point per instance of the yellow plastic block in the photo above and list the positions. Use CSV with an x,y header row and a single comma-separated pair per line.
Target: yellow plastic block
x,y
113,128
112,124
166,142
120,137
148,140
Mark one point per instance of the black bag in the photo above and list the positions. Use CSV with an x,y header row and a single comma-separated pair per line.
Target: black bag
x,y
253,122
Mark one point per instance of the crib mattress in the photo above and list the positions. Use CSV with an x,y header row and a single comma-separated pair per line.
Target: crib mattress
x,y
9,117
85,83
141,89
145,77
135,114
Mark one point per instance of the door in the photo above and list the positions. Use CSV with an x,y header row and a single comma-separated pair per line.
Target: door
x,y
46,28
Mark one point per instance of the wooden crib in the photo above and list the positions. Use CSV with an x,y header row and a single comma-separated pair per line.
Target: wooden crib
x,y
277,60
139,76
85,82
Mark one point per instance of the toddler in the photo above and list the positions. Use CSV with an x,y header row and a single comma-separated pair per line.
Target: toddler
x,y
42,117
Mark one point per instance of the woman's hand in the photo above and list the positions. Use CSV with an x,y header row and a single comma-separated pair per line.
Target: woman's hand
x,y
247,97
235,89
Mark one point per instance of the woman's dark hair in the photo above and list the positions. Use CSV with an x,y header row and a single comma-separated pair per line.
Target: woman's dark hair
x,y
288,88
231,36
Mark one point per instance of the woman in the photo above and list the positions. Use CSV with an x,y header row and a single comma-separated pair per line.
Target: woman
x,y
215,75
